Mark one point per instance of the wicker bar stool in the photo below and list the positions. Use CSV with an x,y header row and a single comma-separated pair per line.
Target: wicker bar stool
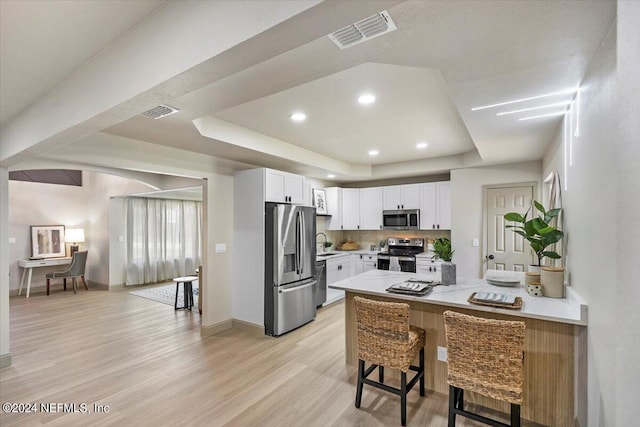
x,y
485,356
385,339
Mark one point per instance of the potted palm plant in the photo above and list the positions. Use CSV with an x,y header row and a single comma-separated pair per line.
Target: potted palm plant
x,y
443,251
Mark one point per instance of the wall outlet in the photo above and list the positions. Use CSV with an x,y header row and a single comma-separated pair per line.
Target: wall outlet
x,y
442,354
475,242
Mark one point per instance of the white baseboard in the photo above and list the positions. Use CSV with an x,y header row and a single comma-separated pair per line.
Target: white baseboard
x,y
5,360
248,327
207,331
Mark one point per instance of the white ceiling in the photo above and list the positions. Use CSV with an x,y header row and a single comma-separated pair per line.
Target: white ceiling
x,y
444,59
43,41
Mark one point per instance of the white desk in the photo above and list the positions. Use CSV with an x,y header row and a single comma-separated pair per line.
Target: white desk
x,y
30,264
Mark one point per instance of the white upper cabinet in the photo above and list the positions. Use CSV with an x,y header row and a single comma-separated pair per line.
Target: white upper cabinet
x,y
334,208
350,208
370,208
283,187
401,197
443,193
435,206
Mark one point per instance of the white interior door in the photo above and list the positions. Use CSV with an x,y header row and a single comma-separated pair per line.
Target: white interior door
x,y
505,249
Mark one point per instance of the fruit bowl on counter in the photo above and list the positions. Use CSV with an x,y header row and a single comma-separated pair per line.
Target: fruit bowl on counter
x,y
348,246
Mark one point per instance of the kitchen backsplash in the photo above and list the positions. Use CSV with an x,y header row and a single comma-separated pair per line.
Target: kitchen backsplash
x,y
367,238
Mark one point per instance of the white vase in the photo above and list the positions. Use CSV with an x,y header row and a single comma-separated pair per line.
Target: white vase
x,y
552,280
533,269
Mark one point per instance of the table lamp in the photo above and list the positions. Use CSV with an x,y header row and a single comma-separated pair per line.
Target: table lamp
x,y
75,235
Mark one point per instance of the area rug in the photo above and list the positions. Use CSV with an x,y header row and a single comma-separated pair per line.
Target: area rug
x,y
166,294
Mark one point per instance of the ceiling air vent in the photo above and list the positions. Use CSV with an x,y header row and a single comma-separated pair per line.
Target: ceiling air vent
x,y
160,111
364,30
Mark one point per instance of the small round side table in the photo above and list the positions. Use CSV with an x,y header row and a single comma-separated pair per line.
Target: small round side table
x,y
188,291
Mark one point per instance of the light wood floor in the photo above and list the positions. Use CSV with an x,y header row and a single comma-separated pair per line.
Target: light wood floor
x,y
150,365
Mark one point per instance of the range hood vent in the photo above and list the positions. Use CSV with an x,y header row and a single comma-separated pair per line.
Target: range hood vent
x,y
160,111
363,30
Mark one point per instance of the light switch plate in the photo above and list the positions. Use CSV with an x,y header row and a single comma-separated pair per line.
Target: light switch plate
x,y
221,248
121,239
12,240
442,354
475,242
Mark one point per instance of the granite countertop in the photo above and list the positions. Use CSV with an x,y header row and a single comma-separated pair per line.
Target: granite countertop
x,y
572,309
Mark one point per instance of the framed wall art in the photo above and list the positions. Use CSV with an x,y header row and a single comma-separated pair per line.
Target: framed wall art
x,y
320,201
47,241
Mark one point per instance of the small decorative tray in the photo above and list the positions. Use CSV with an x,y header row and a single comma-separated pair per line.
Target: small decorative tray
x,y
411,288
516,305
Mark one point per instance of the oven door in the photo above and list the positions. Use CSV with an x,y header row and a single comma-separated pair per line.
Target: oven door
x,y
407,264
397,263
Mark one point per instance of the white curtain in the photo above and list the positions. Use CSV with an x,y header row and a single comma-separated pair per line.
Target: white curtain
x,y
163,239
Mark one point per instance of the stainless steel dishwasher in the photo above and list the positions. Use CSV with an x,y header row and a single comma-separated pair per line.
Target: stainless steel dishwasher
x,y
320,294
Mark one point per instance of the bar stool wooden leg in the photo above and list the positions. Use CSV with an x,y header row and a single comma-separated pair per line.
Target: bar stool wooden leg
x,y
360,383
452,404
64,283
515,415
422,370
403,398
48,283
381,373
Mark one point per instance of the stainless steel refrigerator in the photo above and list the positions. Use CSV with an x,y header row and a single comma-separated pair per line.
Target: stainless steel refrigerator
x,y
290,267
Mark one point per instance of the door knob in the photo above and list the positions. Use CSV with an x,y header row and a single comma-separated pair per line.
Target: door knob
x,y
490,257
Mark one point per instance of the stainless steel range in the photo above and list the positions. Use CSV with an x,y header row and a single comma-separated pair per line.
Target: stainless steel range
x,y
401,255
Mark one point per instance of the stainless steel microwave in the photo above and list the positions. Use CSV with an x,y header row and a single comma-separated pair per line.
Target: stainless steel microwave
x,y
407,219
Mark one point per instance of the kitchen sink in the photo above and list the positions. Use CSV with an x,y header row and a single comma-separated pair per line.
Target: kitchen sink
x,y
324,255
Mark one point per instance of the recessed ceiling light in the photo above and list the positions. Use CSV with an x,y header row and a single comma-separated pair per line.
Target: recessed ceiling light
x,y
367,98
298,117
562,92
331,175
374,152
557,104
422,145
557,113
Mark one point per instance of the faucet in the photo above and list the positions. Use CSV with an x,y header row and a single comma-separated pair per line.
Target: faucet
x,y
325,241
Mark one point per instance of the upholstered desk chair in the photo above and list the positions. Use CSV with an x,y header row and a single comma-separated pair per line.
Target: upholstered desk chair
x,y
485,356
385,339
75,270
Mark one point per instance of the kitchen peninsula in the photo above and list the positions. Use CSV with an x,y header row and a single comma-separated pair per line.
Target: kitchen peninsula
x,y
555,343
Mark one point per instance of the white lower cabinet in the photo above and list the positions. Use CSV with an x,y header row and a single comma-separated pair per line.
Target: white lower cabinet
x,y
337,269
363,262
429,268
370,262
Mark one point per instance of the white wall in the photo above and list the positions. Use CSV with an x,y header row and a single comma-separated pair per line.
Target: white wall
x,y
628,215
5,355
601,200
100,188
467,207
217,277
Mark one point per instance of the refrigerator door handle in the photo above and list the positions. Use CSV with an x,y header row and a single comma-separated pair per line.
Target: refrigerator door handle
x,y
303,246
296,288
298,245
